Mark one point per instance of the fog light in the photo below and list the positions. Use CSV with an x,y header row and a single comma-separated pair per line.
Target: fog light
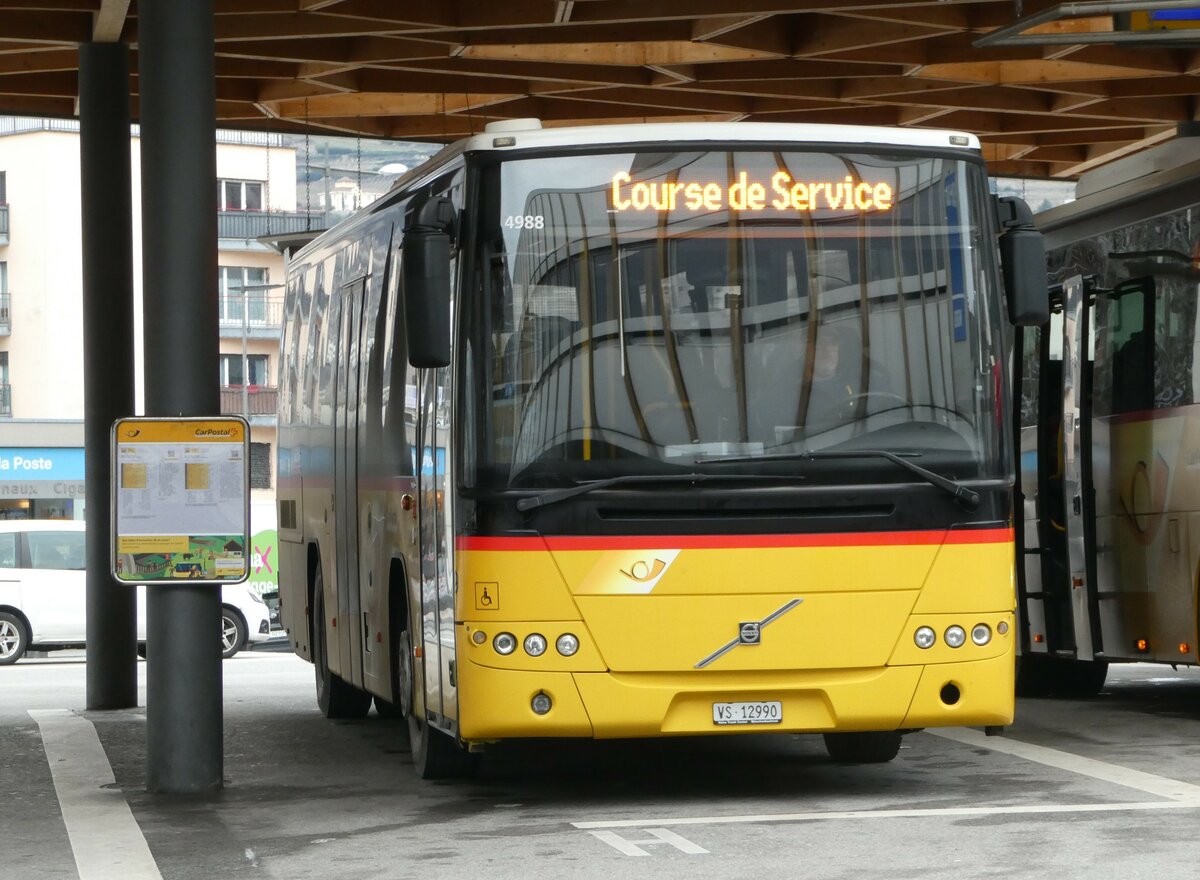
x,y
1002,627
981,634
541,704
924,637
505,643
567,644
535,644
955,636
479,637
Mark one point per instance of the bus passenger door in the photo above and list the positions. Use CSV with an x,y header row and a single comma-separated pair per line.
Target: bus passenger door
x,y
1078,490
435,564
1042,581
345,469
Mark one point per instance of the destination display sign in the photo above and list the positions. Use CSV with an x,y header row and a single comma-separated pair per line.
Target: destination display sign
x,y
781,192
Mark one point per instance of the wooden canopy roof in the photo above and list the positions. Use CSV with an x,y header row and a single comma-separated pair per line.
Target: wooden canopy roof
x,y
436,70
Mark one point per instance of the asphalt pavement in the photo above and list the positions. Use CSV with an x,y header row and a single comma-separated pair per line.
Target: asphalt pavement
x,y
1108,787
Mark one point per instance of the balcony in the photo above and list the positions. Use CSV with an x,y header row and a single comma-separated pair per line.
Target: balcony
x,y
5,314
3,224
256,315
261,400
5,400
249,225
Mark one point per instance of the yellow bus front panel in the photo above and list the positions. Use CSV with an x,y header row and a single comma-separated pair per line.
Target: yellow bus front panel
x,y
826,626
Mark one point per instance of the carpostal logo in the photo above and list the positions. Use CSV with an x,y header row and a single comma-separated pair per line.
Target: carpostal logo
x,y
216,432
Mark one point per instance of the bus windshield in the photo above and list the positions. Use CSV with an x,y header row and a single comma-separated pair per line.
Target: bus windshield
x,y
650,311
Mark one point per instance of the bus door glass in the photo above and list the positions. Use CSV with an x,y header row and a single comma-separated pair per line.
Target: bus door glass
x,y
434,564
345,465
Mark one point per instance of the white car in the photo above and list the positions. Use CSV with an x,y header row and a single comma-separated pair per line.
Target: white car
x,y
43,594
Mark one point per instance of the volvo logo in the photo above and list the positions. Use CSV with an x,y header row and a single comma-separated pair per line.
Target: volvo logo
x,y
749,633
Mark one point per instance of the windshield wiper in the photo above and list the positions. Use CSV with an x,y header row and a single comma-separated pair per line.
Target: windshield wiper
x,y
555,495
964,495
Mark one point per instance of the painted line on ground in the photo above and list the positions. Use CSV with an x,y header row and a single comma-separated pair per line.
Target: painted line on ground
x,y
1178,795
912,813
1160,786
105,838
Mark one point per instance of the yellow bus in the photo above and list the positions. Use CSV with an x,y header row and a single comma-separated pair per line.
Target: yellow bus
x,y
651,430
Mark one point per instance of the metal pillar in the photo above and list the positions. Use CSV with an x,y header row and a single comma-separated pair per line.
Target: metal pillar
x,y
184,720
104,166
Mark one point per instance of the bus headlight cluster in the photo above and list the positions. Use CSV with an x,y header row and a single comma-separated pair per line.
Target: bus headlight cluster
x,y
954,636
535,644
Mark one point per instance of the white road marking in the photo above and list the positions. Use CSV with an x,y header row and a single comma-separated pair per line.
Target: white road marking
x,y
914,813
1160,786
1179,795
658,836
105,838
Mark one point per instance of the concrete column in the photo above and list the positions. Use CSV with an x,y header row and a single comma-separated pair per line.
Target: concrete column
x,y
107,357
184,719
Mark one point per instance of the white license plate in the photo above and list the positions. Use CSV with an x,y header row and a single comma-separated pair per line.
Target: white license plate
x,y
759,712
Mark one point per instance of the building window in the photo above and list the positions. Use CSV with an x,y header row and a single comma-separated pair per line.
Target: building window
x,y
240,195
260,465
3,187
237,282
231,369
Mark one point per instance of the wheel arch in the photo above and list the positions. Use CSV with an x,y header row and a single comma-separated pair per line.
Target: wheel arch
x,y
21,616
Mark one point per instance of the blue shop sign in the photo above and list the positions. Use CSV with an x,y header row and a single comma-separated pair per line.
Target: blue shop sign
x,y
30,463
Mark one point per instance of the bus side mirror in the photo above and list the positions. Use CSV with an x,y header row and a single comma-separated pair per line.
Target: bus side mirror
x,y
425,273
1023,261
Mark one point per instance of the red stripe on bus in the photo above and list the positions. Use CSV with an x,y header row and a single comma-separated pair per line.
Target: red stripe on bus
x,y
736,542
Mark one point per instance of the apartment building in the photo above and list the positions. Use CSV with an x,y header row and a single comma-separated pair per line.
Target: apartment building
x,y
41,283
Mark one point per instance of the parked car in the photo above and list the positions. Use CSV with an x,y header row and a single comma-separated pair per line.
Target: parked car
x,y
43,594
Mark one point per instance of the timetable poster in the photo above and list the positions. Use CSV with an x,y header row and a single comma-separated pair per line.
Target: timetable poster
x,y
181,500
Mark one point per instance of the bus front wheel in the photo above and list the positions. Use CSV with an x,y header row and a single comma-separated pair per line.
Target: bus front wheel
x,y
866,747
435,755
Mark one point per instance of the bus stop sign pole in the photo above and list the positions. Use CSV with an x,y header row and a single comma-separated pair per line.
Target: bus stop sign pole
x,y
184,719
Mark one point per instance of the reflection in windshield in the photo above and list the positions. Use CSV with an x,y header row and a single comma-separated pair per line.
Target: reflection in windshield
x,y
654,311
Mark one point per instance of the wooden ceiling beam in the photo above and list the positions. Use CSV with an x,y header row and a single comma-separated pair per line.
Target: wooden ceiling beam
x,y
28,26
790,69
824,35
623,54
1102,154
39,62
709,28
946,17
109,20
768,36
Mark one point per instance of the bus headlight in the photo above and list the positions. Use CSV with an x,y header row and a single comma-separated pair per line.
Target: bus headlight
x,y
955,636
504,643
567,644
981,634
535,644
924,637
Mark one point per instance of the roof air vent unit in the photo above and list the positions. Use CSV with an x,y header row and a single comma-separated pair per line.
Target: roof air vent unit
x,y
511,125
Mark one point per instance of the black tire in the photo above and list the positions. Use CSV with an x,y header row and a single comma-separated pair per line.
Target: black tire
x,y
14,638
1080,678
1034,676
435,755
868,747
233,632
335,697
